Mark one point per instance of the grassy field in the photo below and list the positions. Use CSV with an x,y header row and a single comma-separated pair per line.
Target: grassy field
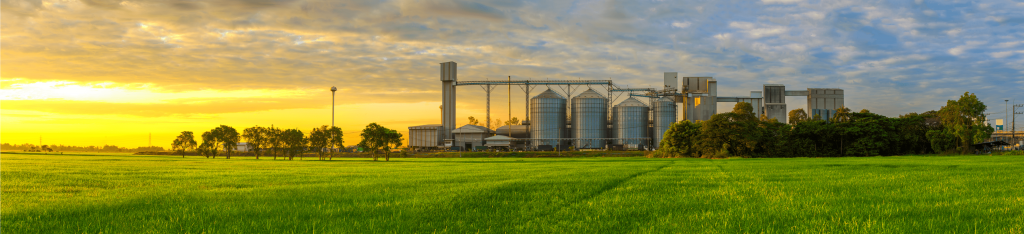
x,y
167,194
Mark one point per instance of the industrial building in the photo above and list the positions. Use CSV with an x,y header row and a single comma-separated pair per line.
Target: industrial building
x,y
594,119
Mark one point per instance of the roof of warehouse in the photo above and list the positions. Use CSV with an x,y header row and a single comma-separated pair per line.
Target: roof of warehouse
x,y
469,128
498,138
428,126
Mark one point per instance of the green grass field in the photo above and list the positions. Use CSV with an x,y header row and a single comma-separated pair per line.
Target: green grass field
x,y
167,194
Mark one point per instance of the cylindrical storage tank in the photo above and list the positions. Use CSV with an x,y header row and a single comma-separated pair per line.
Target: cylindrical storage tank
x,y
631,120
589,120
664,116
547,118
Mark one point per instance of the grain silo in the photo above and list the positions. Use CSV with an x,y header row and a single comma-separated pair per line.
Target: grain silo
x,y
589,119
631,120
547,117
664,116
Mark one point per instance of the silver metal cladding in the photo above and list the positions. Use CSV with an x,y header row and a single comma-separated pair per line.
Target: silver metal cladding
x,y
631,120
547,118
589,120
664,116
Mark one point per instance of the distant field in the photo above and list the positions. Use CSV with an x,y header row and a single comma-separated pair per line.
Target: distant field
x,y
167,194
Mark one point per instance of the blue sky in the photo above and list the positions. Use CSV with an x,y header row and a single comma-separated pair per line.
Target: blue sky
x,y
891,57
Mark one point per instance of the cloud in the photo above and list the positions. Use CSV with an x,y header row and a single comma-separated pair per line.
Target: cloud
x,y
677,24
394,47
1004,54
781,1
755,31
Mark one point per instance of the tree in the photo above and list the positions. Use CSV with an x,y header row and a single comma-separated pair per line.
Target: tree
x,y
337,139
680,140
373,138
177,144
744,110
256,137
319,139
734,132
965,120
275,139
797,115
228,138
497,123
842,115
392,140
210,143
184,141
513,121
295,142
473,121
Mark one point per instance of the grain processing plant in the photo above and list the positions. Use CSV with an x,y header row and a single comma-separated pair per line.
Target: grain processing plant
x,y
604,116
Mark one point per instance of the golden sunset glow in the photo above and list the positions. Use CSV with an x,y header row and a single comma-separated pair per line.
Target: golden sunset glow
x,y
112,72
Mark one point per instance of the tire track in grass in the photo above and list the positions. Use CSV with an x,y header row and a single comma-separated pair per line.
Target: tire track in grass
x,y
619,182
604,189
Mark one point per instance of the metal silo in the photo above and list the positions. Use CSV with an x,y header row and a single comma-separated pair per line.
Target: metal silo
x,y
631,120
664,116
589,119
547,118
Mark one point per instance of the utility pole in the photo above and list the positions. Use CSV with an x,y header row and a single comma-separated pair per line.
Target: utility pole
x,y
1013,132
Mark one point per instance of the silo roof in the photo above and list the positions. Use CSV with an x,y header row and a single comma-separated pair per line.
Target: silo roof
x,y
548,94
666,98
631,102
590,93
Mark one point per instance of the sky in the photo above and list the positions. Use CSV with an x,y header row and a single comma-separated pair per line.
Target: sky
x,y
95,72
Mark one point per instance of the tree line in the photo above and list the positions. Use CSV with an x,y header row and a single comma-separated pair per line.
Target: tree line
x,y
952,129
65,148
288,143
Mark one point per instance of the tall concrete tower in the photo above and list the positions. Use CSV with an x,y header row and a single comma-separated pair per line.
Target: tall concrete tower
x,y
448,79
775,102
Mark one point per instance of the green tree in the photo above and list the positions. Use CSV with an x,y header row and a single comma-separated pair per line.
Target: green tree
x,y
228,138
256,137
373,139
797,115
680,140
319,140
735,132
337,140
184,141
965,120
744,111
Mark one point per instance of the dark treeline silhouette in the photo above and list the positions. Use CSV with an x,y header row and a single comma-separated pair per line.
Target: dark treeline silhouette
x,y
952,129
71,148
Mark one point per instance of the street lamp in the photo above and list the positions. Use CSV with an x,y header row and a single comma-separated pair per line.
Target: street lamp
x,y
333,89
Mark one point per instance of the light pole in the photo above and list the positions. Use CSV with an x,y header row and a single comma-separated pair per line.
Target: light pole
x,y
333,89
1013,129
